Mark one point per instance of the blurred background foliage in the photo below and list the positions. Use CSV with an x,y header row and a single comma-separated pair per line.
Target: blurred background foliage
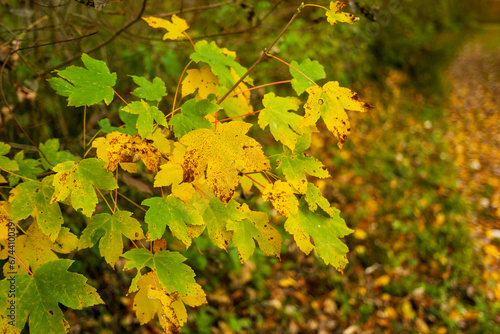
x,y
417,264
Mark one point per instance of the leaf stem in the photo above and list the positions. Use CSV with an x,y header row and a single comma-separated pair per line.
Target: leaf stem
x,y
261,57
84,120
120,96
132,202
296,69
185,33
177,89
22,177
256,87
314,5
250,177
250,113
104,198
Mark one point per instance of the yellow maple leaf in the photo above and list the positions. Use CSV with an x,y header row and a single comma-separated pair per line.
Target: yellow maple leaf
x,y
119,148
281,195
175,28
172,313
4,220
202,79
170,173
334,15
221,153
329,102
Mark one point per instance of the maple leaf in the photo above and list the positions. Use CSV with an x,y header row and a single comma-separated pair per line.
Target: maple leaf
x,y
150,91
221,153
312,69
50,150
5,220
202,80
216,216
281,195
192,116
324,230
296,165
38,296
173,212
221,62
314,198
85,86
147,114
28,168
256,227
130,126
172,313
329,102
6,163
109,229
170,173
168,266
334,15
282,123
175,28
120,148
78,180
34,248
34,199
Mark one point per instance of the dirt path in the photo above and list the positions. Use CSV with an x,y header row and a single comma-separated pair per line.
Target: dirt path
x,y
474,113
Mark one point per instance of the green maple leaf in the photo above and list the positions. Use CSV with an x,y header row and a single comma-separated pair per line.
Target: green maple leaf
x,y
324,230
216,216
38,296
296,165
220,61
150,91
314,198
85,86
147,114
192,116
282,123
173,212
78,180
168,266
51,151
109,229
311,68
130,121
28,168
34,199
256,227
6,163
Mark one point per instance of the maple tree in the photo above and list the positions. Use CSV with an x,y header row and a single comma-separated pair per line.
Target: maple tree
x,y
200,162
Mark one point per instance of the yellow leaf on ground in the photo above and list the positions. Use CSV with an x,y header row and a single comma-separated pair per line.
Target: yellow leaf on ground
x,y
381,281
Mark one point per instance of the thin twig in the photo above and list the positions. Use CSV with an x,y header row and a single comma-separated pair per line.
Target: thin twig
x,y
262,56
109,40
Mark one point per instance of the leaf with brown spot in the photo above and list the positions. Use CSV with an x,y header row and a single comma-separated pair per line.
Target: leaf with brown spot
x,y
78,180
120,148
281,195
329,102
256,227
221,153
